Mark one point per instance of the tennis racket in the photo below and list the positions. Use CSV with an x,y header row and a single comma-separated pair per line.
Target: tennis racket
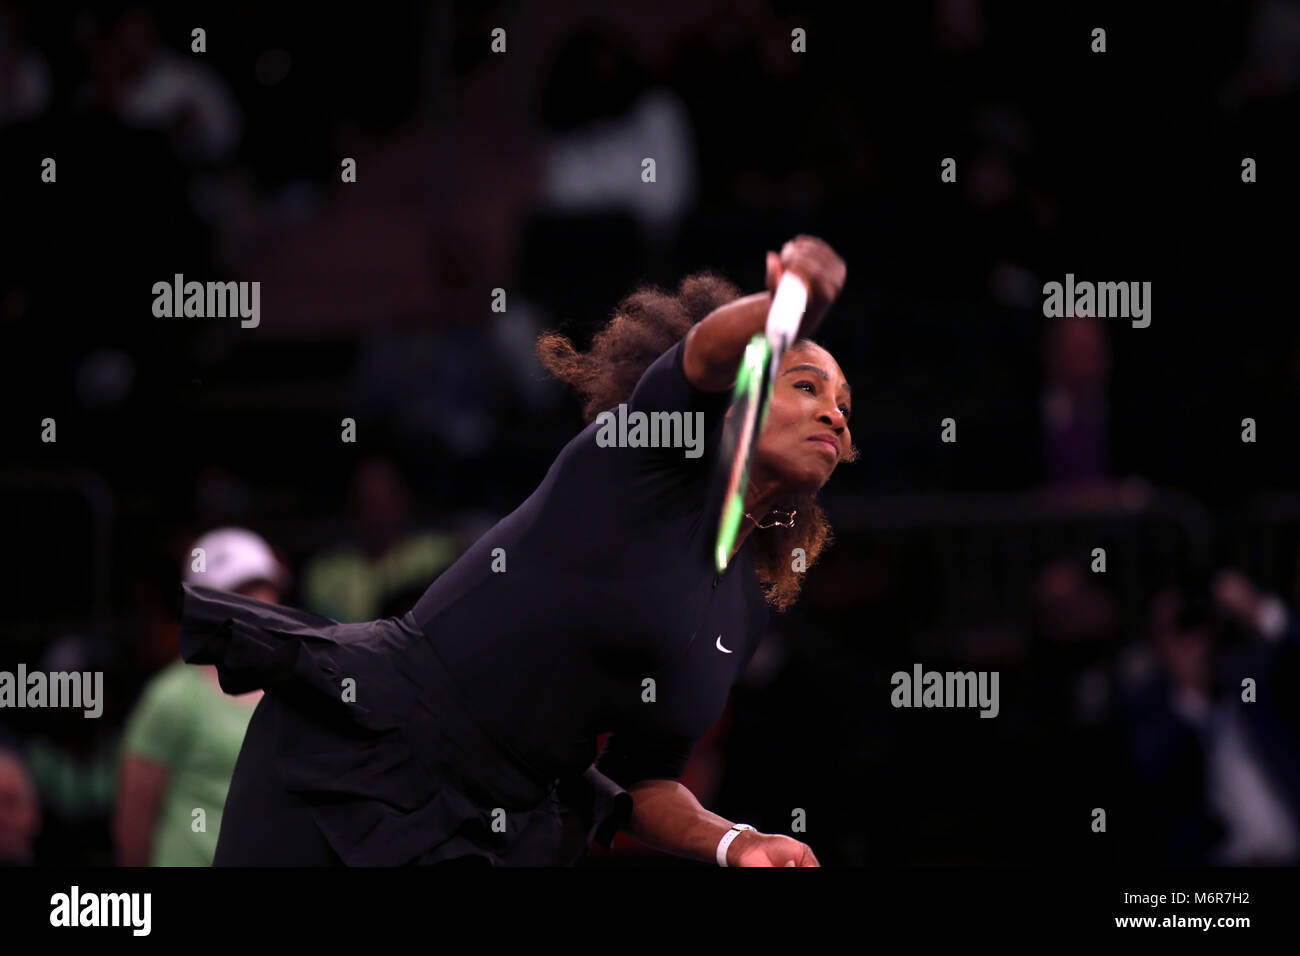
x,y
749,402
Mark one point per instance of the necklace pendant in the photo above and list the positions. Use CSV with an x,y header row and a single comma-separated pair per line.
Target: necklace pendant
x,y
787,523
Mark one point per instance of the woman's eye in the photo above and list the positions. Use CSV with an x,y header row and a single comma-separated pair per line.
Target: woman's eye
x,y
811,387
846,411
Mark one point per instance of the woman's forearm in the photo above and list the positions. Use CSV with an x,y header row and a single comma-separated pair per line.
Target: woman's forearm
x,y
667,816
715,345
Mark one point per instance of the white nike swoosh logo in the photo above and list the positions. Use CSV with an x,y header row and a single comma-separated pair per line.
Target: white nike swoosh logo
x,y
719,645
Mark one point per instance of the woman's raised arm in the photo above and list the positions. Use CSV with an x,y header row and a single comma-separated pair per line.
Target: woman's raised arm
x,y
716,343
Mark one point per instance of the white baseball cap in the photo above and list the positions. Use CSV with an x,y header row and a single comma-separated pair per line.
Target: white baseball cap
x,y
233,557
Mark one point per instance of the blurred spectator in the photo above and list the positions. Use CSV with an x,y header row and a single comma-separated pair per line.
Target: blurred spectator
x,y
388,278
388,565
1271,66
1220,773
25,84
183,738
151,87
1070,728
738,74
1077,629
960,24
1075,403
20,812
605,118
72,759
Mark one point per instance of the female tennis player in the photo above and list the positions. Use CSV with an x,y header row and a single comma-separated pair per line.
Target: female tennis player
x,y
465,730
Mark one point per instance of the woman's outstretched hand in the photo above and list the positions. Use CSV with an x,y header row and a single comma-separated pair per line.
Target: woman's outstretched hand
x,y
814,261
751,848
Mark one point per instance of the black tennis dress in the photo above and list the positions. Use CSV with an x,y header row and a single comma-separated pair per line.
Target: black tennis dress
x,y
467,728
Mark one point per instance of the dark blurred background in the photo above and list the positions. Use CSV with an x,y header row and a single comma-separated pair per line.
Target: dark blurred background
x,y
521,171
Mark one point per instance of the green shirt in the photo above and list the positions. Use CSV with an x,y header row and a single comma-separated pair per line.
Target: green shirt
x,y
348,585
183,720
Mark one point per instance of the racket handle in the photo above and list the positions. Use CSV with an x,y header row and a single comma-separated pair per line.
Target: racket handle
x,y
786,313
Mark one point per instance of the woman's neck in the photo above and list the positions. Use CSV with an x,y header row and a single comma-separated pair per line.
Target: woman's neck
x,y
760,497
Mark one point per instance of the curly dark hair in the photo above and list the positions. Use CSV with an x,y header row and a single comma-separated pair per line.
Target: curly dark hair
x,y
644,325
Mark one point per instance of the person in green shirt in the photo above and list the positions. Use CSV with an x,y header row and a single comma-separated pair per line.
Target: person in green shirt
x,y
387,563
184,735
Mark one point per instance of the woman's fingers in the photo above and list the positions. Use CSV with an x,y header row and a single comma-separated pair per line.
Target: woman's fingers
x,y
814,261
774,271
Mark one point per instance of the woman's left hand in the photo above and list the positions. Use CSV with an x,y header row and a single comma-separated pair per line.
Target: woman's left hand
x,y
752,848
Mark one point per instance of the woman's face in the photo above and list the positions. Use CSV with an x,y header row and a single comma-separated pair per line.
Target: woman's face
x,y
807,431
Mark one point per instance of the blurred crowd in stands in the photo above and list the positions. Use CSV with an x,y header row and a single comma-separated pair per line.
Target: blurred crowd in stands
x,y
522,171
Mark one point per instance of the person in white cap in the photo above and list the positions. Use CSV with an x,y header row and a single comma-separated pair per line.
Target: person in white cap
x,y
183,737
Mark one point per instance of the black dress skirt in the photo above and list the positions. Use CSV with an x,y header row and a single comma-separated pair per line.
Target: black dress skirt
x,y
361,733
